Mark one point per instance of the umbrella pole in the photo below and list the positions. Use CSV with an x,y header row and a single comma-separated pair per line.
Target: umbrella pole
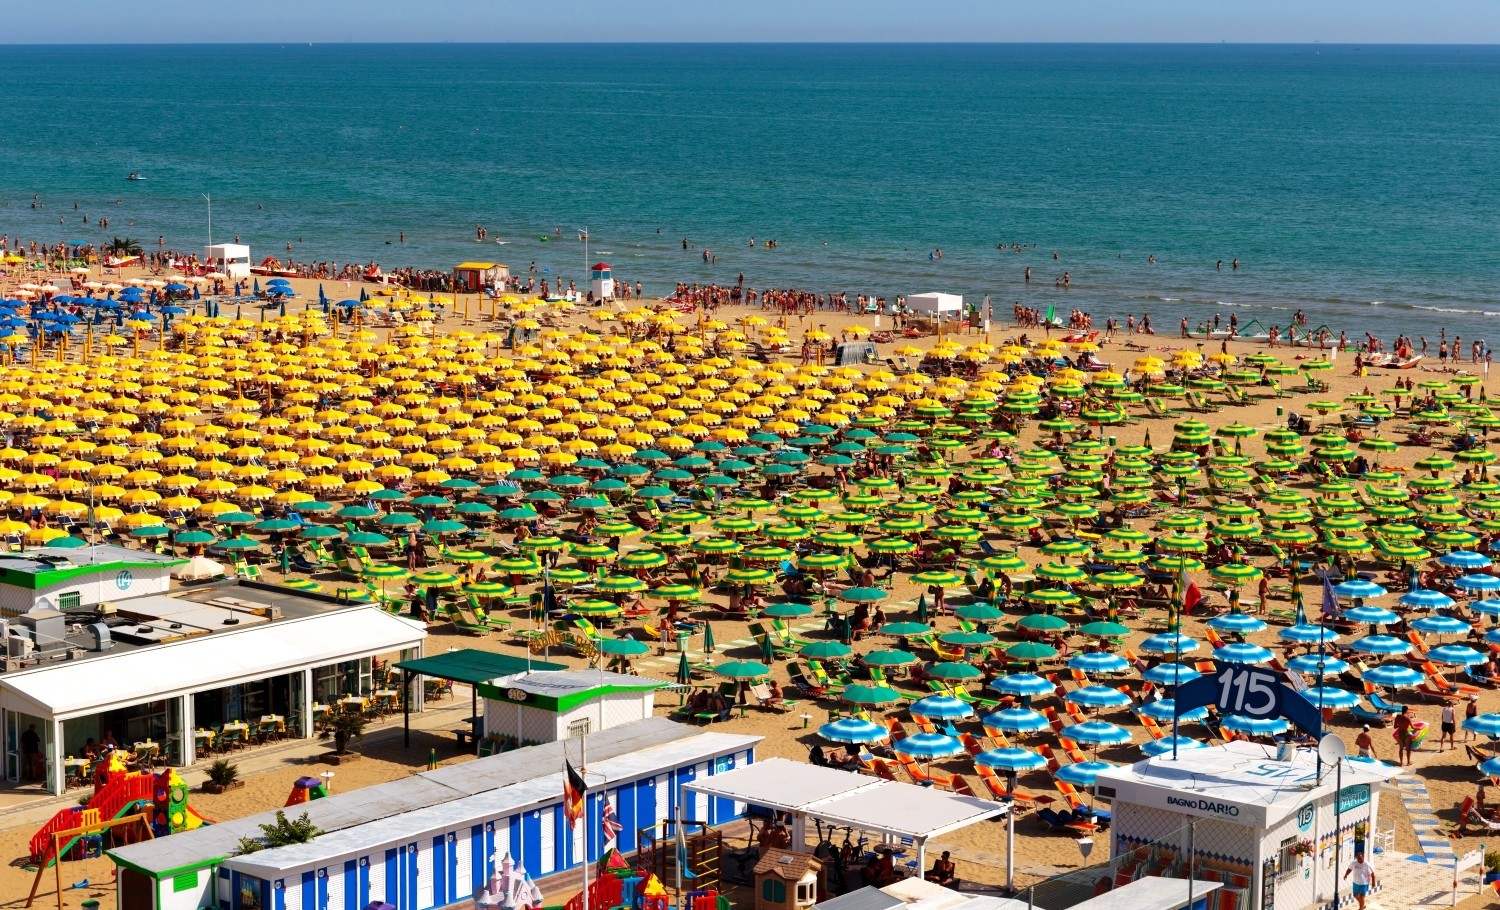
x,y
1010,836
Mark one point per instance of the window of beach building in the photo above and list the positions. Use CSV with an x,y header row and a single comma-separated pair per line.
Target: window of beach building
x,y
335,681
158,722
278,695
21,765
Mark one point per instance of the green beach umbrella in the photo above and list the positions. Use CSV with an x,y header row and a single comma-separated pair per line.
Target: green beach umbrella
x,y
742,669
870,695
434,579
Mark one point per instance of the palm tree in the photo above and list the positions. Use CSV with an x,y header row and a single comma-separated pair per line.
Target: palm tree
x,y
123,247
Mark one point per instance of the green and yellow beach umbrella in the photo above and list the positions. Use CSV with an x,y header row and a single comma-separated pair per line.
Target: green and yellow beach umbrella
x,y
787,532
1004,562
1060,572
643,559
667,538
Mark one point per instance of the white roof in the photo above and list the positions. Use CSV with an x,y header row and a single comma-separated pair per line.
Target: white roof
x,y
227,250
114,680
499,802
562,683
1238,782
842,797
934,301
788,785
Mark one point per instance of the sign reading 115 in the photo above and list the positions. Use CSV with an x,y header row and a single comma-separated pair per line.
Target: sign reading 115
x,y
1248,691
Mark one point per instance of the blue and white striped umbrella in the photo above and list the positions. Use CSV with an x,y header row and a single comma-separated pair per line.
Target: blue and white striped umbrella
x,y
1490,606
1236,621
1170,674
1465,559
1011,759
1308,663
941,707
1098,697
1242,652
1169,643
1098,662
1427,599
1487,725
1307,634
1456,655
1490,767
1162,710
1478,582
928,746
1358,587
1023,684
1330,697
854,731
1396,676
1164,745
1256,726
1493,635
1019,720
1381,644
1099,733
1439,624
1370,615
1082,774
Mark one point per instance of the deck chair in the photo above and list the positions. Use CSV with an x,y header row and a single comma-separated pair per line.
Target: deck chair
x,y
925,778
765,699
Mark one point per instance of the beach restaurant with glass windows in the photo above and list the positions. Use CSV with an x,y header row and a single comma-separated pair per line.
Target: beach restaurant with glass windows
x,y
182,699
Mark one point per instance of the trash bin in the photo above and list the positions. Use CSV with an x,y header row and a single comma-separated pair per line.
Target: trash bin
x,y
682,641
380,905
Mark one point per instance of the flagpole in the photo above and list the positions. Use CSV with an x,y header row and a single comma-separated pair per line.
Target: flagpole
x,y
582,773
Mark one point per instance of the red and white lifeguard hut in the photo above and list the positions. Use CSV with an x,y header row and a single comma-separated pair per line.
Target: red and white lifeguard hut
x,y
601,281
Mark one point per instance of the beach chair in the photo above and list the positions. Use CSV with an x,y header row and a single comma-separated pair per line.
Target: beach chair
x,y
461,622
884,772
1050,713
765,699
1155,407
925,778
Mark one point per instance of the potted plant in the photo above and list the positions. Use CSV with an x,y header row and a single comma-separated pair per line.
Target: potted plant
x,y
223,776
343,729
1491,866
280,833
1302,848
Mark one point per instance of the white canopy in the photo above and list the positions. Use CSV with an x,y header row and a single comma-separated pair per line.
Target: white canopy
x,y
236,258
116,679
844,798
934,302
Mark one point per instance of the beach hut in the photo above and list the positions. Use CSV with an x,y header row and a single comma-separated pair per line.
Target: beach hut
x,y
601,281
432,839
473,277
233,259
1264,826
62,579
935,305
545,706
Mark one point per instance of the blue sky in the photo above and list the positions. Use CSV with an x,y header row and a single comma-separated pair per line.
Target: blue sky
x,y
1288,21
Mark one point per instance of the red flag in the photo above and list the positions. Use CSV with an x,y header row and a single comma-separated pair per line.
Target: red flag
x,y
1191,597
574,789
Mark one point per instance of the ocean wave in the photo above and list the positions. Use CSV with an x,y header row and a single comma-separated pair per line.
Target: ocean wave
x,y
1457,310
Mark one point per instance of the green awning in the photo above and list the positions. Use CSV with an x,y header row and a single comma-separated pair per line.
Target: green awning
x,y
473,666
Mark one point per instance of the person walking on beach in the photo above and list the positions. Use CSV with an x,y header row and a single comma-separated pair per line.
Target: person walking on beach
x,y
1364,877
1449,726
1402,723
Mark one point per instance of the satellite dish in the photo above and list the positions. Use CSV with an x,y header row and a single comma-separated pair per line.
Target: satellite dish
x,y
1331,749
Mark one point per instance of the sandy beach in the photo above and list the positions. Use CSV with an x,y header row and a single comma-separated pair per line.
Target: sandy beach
x,y
1448,775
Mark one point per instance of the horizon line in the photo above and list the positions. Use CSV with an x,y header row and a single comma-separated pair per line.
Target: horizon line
x,y
717,43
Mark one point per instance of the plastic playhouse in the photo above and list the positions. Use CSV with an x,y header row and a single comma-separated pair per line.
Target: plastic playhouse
x,y
306,788
160,799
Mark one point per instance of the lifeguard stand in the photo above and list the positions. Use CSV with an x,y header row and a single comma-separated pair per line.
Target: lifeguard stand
x,y
602,281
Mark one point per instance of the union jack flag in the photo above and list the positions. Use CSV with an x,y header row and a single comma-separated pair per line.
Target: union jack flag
x,y
610,822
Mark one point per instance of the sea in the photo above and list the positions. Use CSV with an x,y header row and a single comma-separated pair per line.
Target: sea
x,y
1360,184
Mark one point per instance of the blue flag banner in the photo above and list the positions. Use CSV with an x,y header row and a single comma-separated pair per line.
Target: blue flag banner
x,y
1249,691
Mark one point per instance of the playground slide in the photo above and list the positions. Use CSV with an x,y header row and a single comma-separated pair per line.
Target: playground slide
x,y
194,820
